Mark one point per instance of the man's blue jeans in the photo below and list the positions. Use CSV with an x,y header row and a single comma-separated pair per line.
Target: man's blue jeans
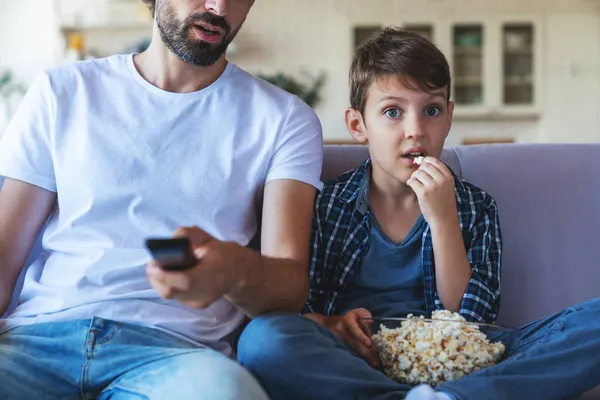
x,y
553,358
89,359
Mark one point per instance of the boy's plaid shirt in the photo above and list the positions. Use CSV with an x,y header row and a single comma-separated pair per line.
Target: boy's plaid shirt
x,y
340,237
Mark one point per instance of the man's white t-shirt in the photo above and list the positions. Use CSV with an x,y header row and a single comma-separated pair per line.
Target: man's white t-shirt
x,y
129,161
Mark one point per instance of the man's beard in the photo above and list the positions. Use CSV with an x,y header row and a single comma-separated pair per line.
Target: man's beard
x,y
181,39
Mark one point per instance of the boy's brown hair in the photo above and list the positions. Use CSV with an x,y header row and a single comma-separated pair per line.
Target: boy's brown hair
x,y
399,53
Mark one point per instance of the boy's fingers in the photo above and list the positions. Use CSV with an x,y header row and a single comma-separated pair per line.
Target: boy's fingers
x,y
414,184
433,171
365,352
423,177
356,331
365,326
364,319
438,165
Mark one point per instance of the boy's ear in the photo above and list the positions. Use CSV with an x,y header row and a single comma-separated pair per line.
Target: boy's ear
x,y
356,125
450,115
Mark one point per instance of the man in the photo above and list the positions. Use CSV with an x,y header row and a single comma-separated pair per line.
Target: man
x,y
119,149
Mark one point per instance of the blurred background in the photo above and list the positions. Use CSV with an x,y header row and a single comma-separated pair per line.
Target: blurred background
x,y
523,70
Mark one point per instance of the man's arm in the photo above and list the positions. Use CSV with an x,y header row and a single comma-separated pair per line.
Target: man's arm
x,y
276,280
24,209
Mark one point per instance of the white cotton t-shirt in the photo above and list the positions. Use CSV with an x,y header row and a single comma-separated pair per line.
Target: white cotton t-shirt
x,y
129,161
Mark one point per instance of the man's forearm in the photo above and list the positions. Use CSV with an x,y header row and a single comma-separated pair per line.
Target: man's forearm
x,y
268,284
8,280
452,268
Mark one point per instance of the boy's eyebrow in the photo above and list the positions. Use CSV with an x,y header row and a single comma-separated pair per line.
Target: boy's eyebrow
x,y
431,96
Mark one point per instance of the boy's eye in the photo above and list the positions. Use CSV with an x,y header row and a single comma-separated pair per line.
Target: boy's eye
x,y
433,111
392,113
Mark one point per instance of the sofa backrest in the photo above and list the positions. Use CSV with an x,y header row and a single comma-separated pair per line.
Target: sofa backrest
x,y
548,200
548,196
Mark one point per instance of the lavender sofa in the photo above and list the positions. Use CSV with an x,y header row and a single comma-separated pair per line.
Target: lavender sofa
x,y
548,196
548,199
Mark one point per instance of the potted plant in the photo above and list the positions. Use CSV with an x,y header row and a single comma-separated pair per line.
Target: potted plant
x,y
9,88
308,89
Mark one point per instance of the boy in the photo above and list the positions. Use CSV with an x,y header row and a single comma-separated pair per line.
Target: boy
x,y
388,241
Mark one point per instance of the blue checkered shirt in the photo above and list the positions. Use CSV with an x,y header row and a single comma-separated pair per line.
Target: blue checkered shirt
x,y
340,237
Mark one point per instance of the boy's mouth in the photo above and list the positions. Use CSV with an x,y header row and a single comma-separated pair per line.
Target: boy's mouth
x,y
412,154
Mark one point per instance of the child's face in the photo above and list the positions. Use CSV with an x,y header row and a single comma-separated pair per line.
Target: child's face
x,y
400,124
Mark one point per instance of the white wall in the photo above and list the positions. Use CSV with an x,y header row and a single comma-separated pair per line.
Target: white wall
x,y
572,111
29,37
316,35
29,42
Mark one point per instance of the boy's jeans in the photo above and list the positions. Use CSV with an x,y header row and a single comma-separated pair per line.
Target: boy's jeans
x,y
553,358
97,358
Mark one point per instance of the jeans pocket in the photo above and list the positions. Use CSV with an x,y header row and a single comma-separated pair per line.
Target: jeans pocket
x,y
5,331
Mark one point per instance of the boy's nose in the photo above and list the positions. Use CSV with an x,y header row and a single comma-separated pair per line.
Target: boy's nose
x,y
217,7
414,127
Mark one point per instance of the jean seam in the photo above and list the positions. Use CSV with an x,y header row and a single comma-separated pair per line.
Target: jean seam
x,y
112,334
12,328
122,389
542,336
88,358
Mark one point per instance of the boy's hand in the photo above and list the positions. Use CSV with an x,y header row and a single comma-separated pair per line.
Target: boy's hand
x,y
355,332
433,184
209,280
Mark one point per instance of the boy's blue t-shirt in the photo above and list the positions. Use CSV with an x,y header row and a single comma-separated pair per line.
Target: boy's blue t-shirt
x,y
389,281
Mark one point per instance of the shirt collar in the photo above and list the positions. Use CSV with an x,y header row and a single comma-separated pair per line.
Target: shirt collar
x,y
356,188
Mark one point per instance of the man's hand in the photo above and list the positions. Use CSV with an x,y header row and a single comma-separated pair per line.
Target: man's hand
x,y
213,276
354,331
433,184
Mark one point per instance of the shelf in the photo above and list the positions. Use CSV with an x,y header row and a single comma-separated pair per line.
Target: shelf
x,y
508,113
527,51
517,81
468,81
468,51
124,26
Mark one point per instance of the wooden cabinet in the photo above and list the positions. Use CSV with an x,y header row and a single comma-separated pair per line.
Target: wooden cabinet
x,y
496,66
495,63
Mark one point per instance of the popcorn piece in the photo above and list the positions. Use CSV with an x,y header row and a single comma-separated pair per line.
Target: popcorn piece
x,y
419,160
434,351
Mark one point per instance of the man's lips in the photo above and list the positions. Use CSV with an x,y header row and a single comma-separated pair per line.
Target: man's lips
x,y
211,28
208,36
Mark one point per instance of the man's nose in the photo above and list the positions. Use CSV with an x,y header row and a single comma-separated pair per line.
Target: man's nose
x,y
217,7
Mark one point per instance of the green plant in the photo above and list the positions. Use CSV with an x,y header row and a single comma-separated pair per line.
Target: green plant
x,y
8,88
8,85
309,89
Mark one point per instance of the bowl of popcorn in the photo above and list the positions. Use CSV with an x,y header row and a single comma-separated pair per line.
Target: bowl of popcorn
x,y
415,350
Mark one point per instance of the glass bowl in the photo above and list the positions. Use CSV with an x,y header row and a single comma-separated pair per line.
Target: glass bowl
x,y
492,331
435,350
